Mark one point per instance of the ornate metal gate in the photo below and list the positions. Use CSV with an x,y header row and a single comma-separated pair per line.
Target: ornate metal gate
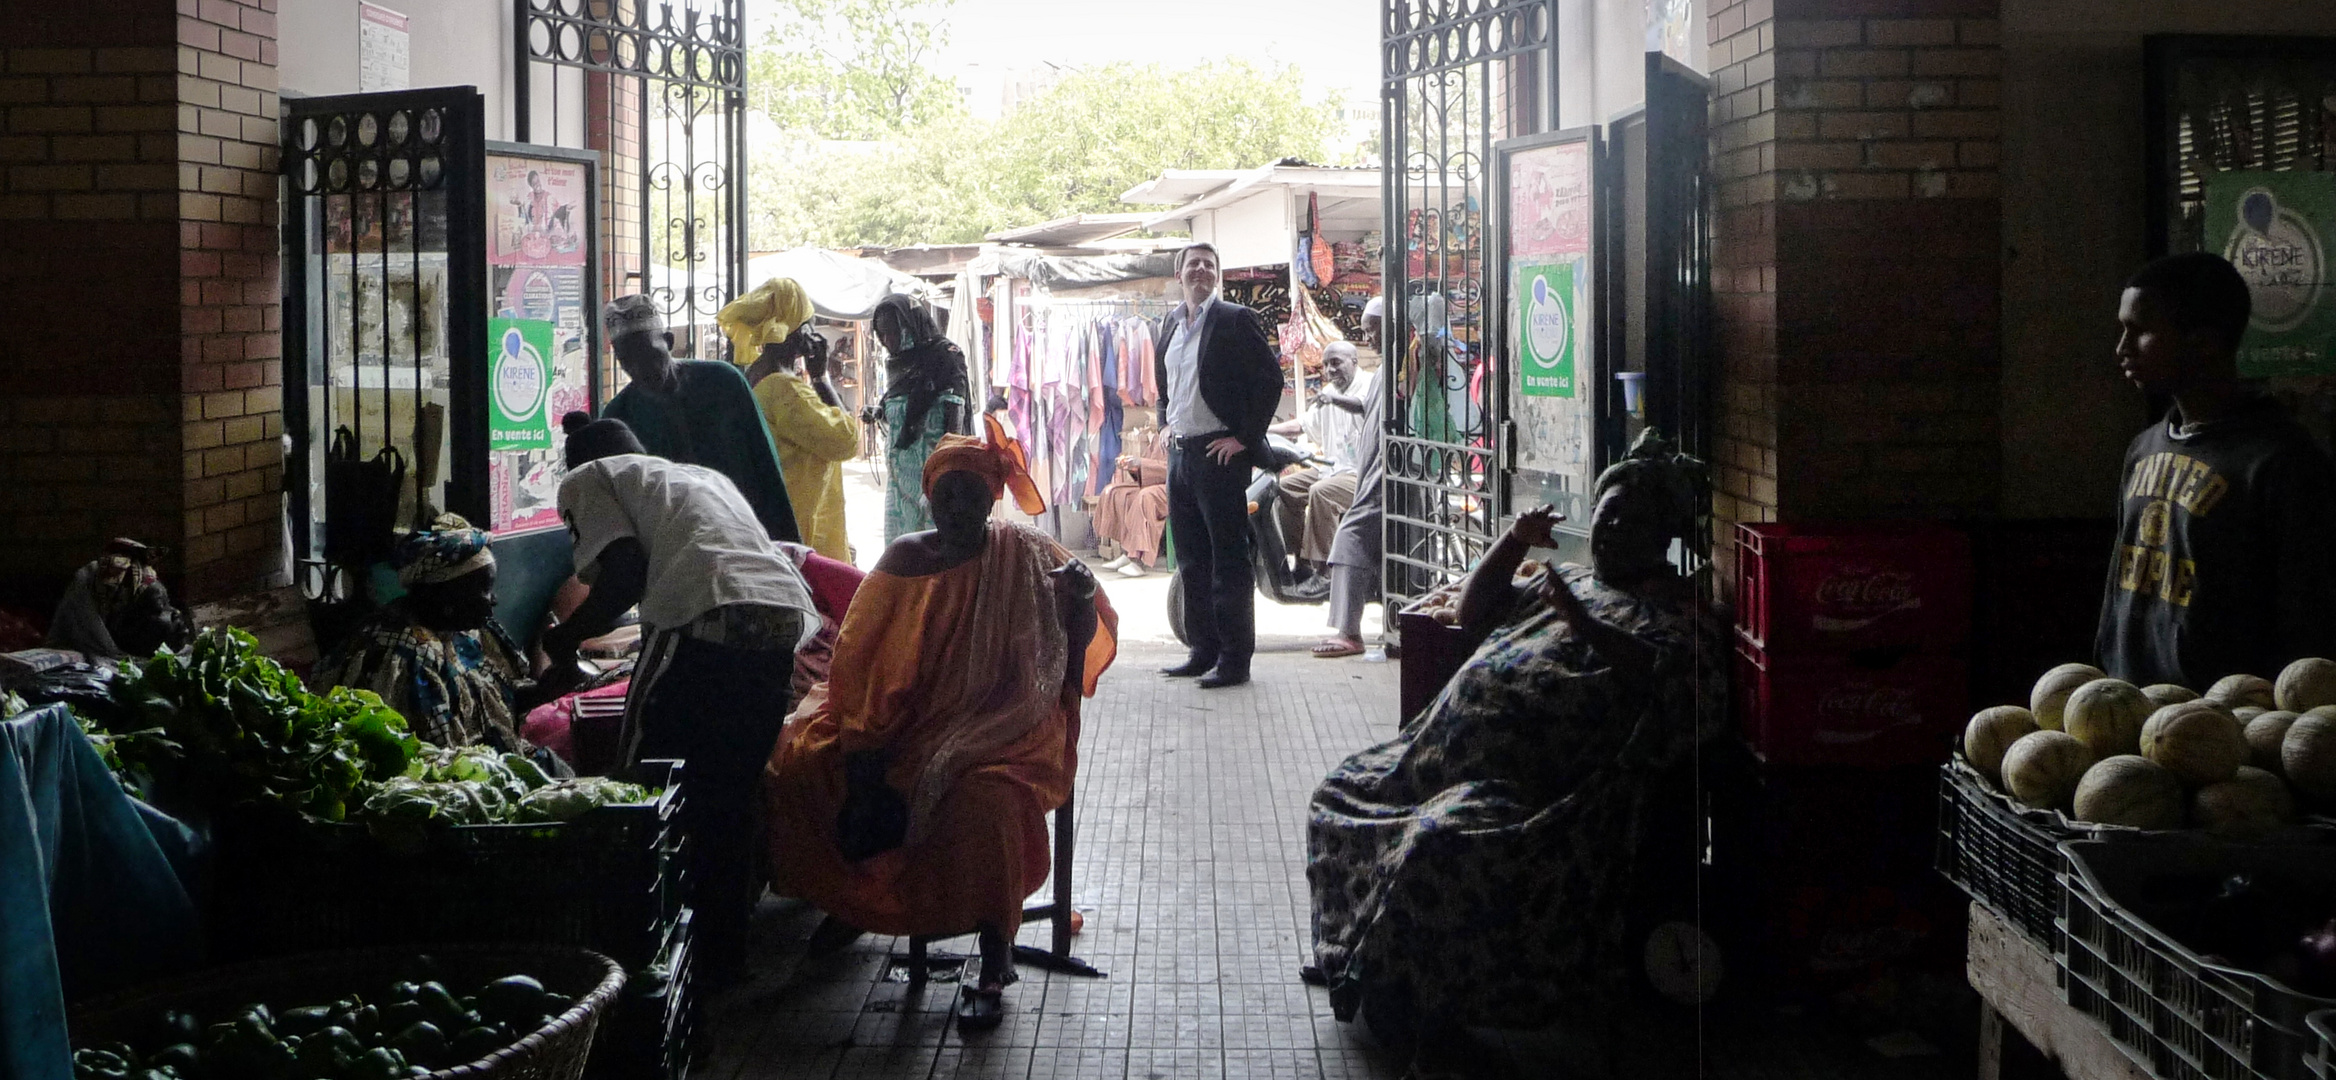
x,y
659,90
1455,77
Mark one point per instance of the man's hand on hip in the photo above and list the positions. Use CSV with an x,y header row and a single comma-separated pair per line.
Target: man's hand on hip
x,y
1224,449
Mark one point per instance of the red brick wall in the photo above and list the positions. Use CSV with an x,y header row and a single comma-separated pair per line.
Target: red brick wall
x,y
88,212
1857,269
613,127
137,246
231,350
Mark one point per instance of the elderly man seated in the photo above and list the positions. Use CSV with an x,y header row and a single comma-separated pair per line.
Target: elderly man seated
x,y
909,793
1313,499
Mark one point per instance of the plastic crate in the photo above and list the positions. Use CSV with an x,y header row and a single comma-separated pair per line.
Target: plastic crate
x,y
610,880
2122,961
2003,855
1844,587
1836,710
2321,1062
650,1026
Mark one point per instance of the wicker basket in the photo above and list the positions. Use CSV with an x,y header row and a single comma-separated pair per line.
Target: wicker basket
x,y
557,1051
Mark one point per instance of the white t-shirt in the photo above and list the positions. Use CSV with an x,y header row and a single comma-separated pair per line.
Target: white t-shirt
x,y
705,546
1339,432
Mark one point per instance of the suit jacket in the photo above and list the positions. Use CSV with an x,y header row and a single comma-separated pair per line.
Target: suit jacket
x,y
1240,378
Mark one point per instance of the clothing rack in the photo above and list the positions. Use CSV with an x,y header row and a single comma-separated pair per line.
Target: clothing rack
x,y
1070,368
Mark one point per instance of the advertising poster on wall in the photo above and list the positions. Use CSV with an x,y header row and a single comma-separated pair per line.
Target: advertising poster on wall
x,y
538,266
1548,317
2277,228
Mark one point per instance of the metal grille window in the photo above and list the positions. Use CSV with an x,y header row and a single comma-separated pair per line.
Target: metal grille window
x,y
1456,77
659,90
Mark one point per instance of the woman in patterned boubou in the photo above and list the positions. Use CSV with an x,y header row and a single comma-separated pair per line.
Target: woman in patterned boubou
x,y
1475,869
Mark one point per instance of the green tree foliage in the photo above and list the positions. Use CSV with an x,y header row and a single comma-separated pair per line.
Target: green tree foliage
x,y
1073,149
852,69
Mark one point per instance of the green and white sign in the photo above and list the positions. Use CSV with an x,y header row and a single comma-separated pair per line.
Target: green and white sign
x,y
2277,228
1548,334
519,379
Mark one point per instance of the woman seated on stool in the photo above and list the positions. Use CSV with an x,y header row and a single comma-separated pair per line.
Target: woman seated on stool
x,y
436,654
1475,869
909,793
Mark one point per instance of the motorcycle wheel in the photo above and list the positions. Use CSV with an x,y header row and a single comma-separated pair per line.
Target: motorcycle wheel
x,y
1176,609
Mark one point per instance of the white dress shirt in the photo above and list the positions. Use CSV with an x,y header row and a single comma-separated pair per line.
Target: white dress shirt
x,y
1188,413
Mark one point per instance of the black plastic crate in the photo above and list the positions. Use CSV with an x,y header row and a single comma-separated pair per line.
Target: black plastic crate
x,y
610,880
2002,854
649,1028
2168,1008
2321,1062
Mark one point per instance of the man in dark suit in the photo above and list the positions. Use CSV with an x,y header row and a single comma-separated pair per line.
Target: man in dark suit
x,y
1219,385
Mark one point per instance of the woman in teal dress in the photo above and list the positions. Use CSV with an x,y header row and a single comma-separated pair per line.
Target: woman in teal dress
x,y
926,388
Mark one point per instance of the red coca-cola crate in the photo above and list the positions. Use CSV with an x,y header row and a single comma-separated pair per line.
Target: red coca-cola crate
x,y
1852,585
1840,710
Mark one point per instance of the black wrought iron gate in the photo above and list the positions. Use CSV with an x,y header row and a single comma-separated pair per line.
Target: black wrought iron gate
x,y
1456,76
659,90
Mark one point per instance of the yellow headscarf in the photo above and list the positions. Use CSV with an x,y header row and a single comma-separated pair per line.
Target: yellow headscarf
x,y
763,317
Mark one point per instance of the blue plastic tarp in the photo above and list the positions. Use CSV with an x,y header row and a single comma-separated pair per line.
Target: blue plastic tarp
x,y
89,901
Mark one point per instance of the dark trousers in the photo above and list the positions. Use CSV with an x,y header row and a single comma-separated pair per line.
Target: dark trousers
x,y
719,709
1208,515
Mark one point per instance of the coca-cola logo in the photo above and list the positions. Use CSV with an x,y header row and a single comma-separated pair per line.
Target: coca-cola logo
x,y
1867,588
1866,705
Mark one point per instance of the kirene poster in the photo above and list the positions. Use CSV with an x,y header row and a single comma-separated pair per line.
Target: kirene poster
x,y
2276,227
1545,329
519,378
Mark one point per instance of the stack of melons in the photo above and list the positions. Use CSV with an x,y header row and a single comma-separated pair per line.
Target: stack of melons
x,y
2238,758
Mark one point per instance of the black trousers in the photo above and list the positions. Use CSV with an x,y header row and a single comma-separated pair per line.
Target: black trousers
x,y
1208,515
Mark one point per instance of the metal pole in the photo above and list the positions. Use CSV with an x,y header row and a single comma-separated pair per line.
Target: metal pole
x,y
523,74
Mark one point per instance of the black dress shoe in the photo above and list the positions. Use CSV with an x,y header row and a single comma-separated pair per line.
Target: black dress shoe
x,y
1222,677
1188,669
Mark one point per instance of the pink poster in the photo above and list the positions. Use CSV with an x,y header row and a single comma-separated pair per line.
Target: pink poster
x,y
537,207
1549,202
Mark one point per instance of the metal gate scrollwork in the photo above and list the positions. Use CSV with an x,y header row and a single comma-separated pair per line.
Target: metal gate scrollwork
x,y
1456,76
664,102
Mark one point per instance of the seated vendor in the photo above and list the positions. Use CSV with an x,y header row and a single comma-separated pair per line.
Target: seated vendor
x,y
436,654
909,793
1473,871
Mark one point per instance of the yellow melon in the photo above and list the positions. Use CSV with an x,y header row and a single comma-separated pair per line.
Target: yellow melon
x,y
2163,694
2128,789
2265,733
2051,692
2307,756
2107,715
2235,691
2197,740
2250,801
2041,768
1990,733
2306,684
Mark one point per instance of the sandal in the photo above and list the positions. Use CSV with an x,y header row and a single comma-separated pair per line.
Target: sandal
x,y
1338,647
981,1007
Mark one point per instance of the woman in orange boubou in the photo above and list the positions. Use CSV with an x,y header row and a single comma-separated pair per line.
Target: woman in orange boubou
x,y
909,793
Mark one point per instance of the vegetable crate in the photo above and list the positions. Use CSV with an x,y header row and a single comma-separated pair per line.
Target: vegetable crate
x,y
649,1030
2128,907
1843,710
2004,855
609,880
1849,586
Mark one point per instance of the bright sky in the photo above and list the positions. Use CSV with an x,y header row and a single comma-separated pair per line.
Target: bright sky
x,y
1335,42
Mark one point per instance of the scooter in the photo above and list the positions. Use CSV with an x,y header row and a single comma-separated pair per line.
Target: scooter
x,y
1269,551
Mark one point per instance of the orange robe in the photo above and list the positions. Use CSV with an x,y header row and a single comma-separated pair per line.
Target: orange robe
x,y
958,677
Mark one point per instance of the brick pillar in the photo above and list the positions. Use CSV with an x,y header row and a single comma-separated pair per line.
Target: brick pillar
x,y
231,349
138,242
88,261
612,106
1857,265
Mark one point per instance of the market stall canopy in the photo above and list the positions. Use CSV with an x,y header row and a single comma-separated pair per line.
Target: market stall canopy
x,y
840,286
1072,231
1078,271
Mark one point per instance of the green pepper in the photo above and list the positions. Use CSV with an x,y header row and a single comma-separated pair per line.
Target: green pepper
x,y
364,1019
182,1057
513,999
303,1020
421,1043
475,1043
180,1026
398,992
326,1054
380,1063
100,1063
435,1000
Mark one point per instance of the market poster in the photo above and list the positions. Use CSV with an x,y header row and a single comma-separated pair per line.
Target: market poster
x,y
538,208
2276,228
538,261
519,376
1546,337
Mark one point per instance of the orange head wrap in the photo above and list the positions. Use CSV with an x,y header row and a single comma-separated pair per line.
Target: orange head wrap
x,y
999,462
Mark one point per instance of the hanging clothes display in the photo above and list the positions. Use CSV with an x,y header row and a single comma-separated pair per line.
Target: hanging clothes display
x,y
1069,371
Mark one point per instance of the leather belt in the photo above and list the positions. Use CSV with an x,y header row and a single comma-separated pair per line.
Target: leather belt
x,y
1185,442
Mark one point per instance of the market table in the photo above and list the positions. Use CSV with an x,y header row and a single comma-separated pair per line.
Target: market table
x,y
2015,982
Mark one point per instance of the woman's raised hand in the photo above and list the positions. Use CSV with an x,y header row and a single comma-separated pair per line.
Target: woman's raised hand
x,y
1533,526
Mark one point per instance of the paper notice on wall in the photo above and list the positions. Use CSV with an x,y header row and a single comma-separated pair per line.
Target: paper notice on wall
x,y
381,49
2279,229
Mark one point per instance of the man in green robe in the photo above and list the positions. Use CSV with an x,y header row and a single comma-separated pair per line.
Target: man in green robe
x,y
697,412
